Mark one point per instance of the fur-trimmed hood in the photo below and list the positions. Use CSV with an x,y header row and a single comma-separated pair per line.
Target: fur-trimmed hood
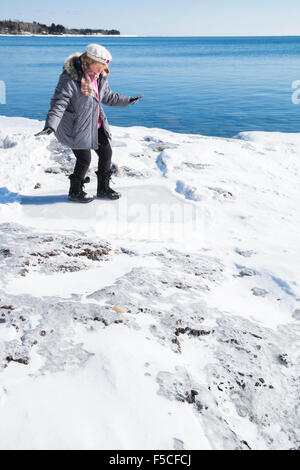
x,y
73,66
74,116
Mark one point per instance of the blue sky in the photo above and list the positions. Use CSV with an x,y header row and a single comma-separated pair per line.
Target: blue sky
x,y
165,17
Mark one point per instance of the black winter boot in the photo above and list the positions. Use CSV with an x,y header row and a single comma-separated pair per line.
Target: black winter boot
x,y
103,189
76,193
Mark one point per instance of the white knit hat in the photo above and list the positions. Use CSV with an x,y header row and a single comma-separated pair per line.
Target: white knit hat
x,y
98,53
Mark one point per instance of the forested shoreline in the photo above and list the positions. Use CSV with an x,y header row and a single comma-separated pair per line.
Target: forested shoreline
x,y
17,27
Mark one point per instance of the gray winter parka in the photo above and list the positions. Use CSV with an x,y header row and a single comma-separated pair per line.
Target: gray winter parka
x,y
74,116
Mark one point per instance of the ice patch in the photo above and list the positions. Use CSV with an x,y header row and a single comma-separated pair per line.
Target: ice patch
x,y
161,162
7,197
187,191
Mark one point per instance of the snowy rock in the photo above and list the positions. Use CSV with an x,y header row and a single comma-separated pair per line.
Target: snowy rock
x,y
258,292
245,253
247,272
296,314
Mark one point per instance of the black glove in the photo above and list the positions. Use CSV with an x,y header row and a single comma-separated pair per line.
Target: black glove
x,y
45,131
135,99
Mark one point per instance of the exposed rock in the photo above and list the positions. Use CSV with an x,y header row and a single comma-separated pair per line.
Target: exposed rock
x,y
118,309
5,252
245,253
20,360
283,358
247,272
257,291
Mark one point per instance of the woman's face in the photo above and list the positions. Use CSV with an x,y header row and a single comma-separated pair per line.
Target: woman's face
x,y
97,67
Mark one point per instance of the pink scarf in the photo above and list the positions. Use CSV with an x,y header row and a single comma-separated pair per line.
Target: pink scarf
x,y
88,77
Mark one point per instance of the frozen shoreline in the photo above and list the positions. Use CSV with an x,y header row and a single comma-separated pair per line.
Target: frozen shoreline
x,y
176,308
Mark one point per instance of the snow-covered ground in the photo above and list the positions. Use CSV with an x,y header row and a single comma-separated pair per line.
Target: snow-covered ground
x,y
168,319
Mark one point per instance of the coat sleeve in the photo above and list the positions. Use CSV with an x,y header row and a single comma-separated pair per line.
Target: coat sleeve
x,y
114,99
59,102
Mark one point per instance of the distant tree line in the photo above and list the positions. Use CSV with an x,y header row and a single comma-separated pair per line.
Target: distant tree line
x,y
21,27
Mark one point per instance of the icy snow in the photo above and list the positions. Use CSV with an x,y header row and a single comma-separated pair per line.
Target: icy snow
x,y
167,319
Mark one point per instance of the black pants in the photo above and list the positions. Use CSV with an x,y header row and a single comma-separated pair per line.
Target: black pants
x,y
83,156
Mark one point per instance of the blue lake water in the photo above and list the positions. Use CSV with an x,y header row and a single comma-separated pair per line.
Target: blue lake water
x,y
212,86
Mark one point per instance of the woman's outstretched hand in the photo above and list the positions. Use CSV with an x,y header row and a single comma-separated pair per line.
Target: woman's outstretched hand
x,y
135,99
45,131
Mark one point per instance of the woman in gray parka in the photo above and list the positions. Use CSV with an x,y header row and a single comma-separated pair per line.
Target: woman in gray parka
x,y
78,120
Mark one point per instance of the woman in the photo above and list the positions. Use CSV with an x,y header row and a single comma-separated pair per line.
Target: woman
x,y
78,120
